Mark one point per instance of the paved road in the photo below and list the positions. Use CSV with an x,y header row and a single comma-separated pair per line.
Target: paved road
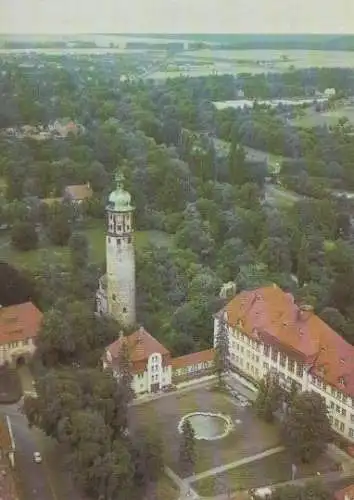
x,y
40,481
35,477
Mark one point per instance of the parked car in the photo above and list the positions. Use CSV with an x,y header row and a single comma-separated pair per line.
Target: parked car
x,y
37,457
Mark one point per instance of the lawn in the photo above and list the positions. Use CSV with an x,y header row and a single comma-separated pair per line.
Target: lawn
x,y
247,438
96,235
267,471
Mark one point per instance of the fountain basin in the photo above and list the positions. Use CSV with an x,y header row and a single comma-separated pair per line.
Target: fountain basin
x,y
208,426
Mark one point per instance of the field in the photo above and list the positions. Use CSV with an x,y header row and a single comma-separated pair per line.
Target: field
x,y
329,118
249,437
265,472
49,253
251,61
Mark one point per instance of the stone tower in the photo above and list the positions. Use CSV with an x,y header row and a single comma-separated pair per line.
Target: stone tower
x,y
120,256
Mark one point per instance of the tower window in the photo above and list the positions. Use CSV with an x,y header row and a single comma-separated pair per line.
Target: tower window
x,y
114,296
124,309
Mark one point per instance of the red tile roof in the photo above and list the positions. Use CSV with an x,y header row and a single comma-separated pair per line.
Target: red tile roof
x,y
270,314
19,322
345,493
193,359
140,344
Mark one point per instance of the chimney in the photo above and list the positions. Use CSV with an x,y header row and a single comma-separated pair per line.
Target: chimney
x,y
305,312
140,333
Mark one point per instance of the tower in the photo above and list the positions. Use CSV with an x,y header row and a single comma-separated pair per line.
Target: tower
x,y
120,256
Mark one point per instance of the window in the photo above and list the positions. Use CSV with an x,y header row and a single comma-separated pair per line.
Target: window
x,y
118,241
129,239
242,349
351,432
266,350
119,227
291,365
248,366
341,427
109,239
266,366
336,423
330,418
352,417
114,296
274,355
124,310
299,370
282,359
344,412
332,404
338,409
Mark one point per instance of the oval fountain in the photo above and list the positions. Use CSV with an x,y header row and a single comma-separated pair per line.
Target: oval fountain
x,y
208,426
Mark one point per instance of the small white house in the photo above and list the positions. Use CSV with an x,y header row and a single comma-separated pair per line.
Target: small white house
x,y
330,92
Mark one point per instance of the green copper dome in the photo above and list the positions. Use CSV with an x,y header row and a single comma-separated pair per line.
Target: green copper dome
x,y
119,200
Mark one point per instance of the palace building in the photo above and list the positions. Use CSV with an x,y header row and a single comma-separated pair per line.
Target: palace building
x,y
268,332
152,366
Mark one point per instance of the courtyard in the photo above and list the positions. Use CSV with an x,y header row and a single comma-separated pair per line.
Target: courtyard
x,y
248,436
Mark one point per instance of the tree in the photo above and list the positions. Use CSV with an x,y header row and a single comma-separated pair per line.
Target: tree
x,y
125,372
16,286
59,230
269,397
274,252
24,236
221,359
148,453
187,451
78,246
236,164
306,428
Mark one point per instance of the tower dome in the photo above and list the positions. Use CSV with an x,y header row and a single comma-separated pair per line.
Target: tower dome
x,y
119,200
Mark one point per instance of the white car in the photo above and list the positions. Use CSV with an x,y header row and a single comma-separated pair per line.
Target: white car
x,y
37,457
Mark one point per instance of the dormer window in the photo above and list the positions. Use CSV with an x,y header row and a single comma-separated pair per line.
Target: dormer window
x,y
341,380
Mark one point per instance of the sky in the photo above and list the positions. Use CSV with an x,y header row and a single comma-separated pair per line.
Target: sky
x,y
176,16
